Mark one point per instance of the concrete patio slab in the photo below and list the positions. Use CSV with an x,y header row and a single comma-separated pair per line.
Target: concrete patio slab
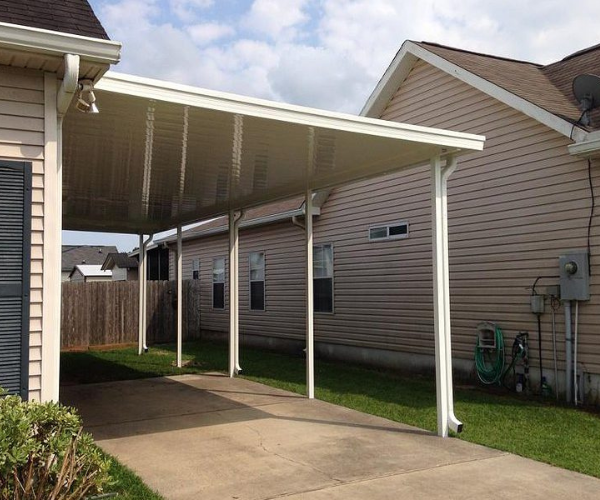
x,y
212,437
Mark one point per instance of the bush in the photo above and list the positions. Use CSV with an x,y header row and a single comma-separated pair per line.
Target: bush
x,y
44,454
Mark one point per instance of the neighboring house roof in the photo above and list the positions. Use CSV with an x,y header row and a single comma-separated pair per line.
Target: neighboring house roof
x,y
121,260
542,92
66,16
265,214
73,255
91,271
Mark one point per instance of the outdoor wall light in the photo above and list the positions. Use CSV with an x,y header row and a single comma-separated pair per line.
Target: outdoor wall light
x,y
86,99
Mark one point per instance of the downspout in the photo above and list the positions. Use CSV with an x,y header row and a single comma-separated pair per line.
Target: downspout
x,y
453,422
68,87
297,223
56,102
238,220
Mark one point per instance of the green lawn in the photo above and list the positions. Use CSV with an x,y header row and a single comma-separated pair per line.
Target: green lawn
x,y
558,435
128,485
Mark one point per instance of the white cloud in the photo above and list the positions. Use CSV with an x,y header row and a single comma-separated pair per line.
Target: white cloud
x,y
206,33
330,53
275,18
187,10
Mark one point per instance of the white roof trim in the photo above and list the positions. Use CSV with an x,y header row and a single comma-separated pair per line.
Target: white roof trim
x,y
249,106
41,41
91,270
410,52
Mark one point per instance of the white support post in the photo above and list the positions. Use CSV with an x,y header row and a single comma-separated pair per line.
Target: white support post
x,y
441,297
145,295
141,308
236,297
179,298
233,296
310,348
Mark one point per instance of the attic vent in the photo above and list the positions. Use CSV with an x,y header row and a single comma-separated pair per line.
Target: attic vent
x,y
395,231
586,89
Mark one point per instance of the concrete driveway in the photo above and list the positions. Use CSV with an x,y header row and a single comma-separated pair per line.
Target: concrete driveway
x,y
208,437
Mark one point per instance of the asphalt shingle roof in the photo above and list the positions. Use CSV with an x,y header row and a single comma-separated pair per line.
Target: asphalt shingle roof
x,y
548,87
67,16
73,255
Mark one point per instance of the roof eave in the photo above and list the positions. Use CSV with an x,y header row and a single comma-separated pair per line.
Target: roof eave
x,y
411,52
55,43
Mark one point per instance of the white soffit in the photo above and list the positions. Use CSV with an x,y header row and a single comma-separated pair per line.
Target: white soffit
x,y
161,154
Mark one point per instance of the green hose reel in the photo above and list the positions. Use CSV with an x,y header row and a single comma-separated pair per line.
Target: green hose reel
x,y
489,353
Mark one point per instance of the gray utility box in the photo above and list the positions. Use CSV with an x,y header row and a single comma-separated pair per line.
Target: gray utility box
x,y
574,272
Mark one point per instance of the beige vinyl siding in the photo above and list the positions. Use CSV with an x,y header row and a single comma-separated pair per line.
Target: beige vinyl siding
x,y
284,314
22,139
513,209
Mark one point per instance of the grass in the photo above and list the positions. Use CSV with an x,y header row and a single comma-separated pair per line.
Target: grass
x,y
127,484
558,435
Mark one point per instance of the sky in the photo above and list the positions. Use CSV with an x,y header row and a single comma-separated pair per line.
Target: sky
x,y
322,53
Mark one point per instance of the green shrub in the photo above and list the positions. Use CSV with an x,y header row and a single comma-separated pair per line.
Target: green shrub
x,y
45,455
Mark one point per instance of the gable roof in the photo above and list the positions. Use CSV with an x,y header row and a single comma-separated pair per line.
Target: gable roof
x,y
66,16
541,92
72,255
121,260
88,271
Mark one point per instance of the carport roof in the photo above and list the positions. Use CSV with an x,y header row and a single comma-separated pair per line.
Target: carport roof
x,y
160,154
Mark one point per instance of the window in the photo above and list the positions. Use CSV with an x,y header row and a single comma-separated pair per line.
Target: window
x,y
256,263
219,283
323,278
394,231
196,269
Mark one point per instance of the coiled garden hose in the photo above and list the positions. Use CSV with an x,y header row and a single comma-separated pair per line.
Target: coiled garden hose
x,y
490,362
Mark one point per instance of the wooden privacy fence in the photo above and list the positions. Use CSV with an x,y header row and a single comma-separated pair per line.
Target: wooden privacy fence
x,y
105,313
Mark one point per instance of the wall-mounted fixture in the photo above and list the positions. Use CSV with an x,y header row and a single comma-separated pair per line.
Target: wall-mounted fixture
x,y
86,99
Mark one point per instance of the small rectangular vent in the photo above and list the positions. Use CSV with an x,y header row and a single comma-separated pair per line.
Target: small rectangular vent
x,y
393,231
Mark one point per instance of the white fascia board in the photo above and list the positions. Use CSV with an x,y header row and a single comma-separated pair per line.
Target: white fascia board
x,y
40,41
404,61
389,83
589,147
231,103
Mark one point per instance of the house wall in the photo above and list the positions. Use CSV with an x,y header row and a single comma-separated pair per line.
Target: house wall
x,y
22,138
513,209
283,317
77,277
119,274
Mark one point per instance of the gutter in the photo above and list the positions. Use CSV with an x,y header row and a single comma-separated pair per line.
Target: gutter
x,y
55,43
260,221
589,147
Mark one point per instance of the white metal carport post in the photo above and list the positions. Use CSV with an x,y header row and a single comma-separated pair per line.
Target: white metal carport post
x,y
441,296
234,303
179,297
142,298
310,312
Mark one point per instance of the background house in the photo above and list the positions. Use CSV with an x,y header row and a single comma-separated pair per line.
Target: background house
x,y
513,209
122,266
88,273
73,255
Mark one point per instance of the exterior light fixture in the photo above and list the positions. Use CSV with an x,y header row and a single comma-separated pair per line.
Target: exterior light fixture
x,y
86,99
